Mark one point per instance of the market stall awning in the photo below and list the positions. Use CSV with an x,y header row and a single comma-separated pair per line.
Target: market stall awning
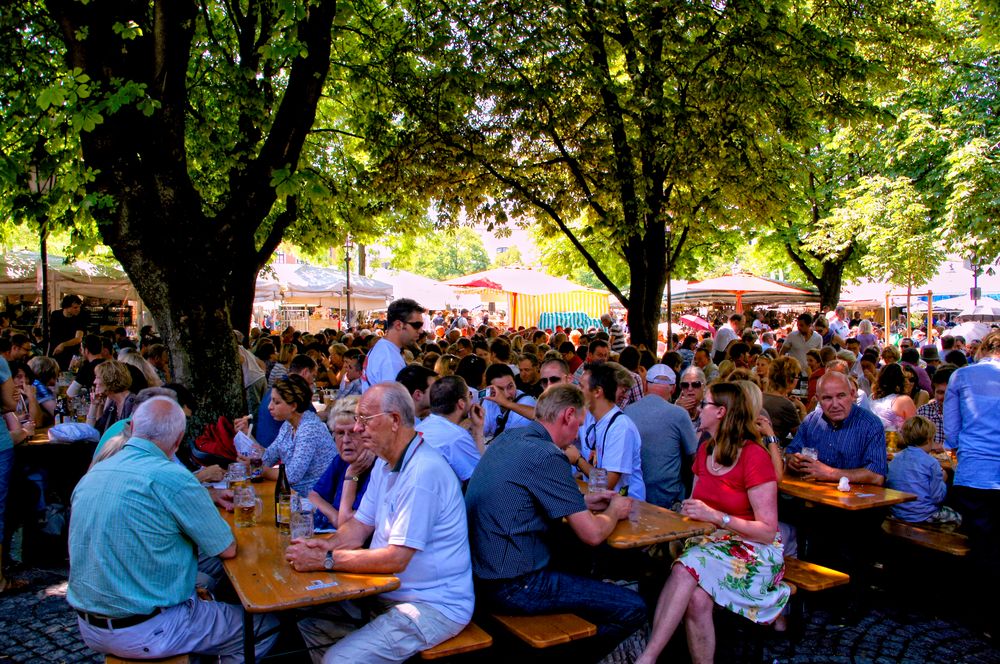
x,y
20,274
430,293
529,294
737,288
323,286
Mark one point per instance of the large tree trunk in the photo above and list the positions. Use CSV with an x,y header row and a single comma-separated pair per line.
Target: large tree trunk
x,y
829,285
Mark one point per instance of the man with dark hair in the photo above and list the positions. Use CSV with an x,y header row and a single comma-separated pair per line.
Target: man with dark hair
x,y
934,409
500,353
93,354
911,357
66,330
598,351
450,404
350,384
703,361
505,406
404,318
519,493
608,439
956,357
802,339
417,379
739,355
568,352
20,348
464,345
267,427
527,378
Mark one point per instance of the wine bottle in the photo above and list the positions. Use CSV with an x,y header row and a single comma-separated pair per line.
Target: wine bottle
x,y
282,501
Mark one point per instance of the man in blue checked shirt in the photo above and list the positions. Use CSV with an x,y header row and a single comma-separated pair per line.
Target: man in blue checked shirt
x,y
849,440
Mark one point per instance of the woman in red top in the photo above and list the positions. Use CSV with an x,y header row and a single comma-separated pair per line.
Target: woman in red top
x,y
740,565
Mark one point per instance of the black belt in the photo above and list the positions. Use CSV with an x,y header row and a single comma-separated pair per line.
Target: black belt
x,y
115,623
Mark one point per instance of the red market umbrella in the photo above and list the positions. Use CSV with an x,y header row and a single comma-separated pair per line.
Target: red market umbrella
x,y
697,323
740,286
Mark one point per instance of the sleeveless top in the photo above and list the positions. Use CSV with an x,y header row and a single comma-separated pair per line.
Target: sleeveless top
x,y
883,408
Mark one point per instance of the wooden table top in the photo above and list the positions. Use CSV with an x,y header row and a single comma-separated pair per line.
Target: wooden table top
x,y
651,524
860,497
265,581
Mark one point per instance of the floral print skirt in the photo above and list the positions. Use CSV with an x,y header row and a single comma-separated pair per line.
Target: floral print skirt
x,y
742,576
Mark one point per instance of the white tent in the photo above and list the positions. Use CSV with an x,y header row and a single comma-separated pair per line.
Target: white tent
x,y
429,293
954,278
320,286
20,274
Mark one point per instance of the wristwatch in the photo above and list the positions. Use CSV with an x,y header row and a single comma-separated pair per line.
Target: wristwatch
x,y
768,440
725,521
353,478
328,562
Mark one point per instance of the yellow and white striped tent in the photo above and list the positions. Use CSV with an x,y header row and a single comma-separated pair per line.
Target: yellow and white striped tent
x,y
529,293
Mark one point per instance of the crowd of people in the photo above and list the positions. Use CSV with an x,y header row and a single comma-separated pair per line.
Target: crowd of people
x,y
450,455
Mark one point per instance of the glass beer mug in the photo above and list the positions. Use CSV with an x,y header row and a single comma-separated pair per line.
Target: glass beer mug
x,y
247,507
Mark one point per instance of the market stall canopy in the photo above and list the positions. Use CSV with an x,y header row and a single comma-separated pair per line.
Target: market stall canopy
x,y
530,293
20,274
299,283
971,331
953,279
739,288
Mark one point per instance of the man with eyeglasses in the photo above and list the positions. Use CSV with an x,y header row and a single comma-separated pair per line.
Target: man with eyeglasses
x,y
404,319
414,512
692,384
668,439
554,372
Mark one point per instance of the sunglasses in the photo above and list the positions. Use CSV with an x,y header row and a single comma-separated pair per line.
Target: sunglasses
x,y
416,325
551,380
692,385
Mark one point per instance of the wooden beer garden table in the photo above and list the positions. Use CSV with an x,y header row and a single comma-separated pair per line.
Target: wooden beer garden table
x,y
265,582
860,497
651,524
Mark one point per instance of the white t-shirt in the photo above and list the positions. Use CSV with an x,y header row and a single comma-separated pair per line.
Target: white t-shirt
x,y
617,448
383,363
493,411
454,443
421,507
839,327
725,336
797,346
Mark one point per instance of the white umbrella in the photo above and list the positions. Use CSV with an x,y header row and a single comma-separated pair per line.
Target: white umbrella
x,y
970,331
987,311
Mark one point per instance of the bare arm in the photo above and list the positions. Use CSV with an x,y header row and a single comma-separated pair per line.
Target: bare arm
x,y
816,470
764,501
8,399
328,510
230,551
592,529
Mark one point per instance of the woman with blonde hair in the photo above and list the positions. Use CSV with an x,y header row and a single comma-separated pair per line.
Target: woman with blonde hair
x,y
280,368
739,566
111,399
132,357
446,365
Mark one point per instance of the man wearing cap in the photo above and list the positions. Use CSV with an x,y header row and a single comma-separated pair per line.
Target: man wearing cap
x,y
668,438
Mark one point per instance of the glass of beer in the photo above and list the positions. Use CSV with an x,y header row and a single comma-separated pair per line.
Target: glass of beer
x,y
598,480
236,476
247,507
284,514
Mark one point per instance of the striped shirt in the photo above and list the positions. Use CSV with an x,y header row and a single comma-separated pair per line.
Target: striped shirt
x,y
857,442
139,523
617,338
521,488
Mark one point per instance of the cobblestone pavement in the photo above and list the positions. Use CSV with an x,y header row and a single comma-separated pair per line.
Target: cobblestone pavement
x,y
37,625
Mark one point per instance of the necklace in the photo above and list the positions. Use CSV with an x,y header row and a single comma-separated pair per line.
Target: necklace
x,y
715,467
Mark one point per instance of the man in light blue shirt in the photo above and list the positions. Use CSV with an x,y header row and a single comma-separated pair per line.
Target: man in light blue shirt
x,y
505,407
972,426
442,429
139,522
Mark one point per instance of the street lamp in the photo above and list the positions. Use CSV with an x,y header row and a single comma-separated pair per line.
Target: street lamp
x,y
40,185
348,245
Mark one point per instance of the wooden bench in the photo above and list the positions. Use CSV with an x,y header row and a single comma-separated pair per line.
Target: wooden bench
x,y
176,659
469,639
812,577
547,630
928,537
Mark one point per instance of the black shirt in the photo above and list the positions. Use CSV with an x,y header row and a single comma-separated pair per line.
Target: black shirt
x,y
63,328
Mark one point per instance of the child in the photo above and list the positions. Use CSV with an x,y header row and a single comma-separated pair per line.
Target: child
x,y
914,470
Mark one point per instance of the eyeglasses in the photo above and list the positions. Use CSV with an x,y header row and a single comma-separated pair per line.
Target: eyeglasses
x,y
693,385
705,403
551,380
363,420
415,324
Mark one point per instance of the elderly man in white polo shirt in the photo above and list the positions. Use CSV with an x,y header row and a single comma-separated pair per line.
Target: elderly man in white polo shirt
x,y
414,512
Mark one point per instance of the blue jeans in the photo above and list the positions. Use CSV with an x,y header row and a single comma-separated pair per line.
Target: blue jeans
x,y
617,611
6,468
